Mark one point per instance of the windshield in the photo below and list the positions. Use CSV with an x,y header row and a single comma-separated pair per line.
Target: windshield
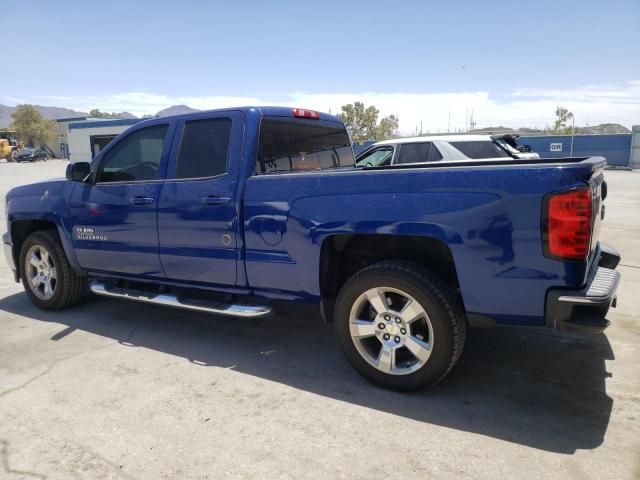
x,y
376,158
288,145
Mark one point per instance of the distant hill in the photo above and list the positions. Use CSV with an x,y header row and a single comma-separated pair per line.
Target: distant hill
x,y
604,128
53,113
47,112
176,110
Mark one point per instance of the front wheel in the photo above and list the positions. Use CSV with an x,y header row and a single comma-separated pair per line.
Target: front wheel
x,y
47,276
400,325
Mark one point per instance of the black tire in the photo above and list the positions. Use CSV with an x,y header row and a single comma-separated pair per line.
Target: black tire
x,y
69,287
439,301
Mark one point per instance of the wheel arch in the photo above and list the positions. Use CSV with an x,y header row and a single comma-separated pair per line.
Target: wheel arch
x,y
23,227
342,255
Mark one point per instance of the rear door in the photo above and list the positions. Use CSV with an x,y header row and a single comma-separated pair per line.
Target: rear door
x,y
197,211
114,220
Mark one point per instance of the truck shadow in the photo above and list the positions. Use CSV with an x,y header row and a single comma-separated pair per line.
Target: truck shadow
x,y
533,387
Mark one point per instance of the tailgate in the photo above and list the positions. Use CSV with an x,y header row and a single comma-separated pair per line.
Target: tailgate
x,y
599,189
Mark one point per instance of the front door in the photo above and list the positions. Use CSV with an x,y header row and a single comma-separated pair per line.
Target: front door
x,y
197,209
115,227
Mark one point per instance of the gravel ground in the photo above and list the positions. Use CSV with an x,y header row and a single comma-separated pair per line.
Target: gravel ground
x,y
114,389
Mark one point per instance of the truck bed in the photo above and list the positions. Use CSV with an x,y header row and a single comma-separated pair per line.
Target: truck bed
x,y
501,162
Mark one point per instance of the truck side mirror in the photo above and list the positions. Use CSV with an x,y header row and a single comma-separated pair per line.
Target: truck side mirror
x,y
77,172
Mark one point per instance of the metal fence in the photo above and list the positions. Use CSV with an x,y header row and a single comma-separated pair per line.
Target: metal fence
x,y
616,148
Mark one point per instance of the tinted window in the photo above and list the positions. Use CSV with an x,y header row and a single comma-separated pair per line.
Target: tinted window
x,y
418,153
134,158
291,145
377,158
204,147
480,149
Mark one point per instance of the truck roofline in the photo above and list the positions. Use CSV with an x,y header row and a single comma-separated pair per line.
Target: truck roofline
x,y
262,111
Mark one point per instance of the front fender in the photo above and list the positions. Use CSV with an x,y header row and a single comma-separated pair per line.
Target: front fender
x,y
32,207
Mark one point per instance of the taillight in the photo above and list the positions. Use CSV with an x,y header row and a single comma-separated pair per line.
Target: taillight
x,y
301,112
568,223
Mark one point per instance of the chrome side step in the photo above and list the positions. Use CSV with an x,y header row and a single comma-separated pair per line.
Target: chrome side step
x,y
171,300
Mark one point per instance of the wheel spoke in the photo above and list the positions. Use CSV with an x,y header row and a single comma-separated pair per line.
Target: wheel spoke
x,y
35,281
386,359
421,350
377,299
34,261
412,311
362,329
53,274
47,287
45,257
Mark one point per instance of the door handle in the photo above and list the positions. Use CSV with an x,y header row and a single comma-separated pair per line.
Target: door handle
x,y
215,200
141,200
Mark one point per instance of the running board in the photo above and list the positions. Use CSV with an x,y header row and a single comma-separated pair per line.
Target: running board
x,y
171,300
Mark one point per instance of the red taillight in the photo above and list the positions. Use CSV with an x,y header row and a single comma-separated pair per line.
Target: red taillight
x,y
301,112
569,223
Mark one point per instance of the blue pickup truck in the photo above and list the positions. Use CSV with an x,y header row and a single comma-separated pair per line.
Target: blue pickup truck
x,y
227,211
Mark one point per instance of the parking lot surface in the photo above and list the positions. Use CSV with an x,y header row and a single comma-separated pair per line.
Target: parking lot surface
x,y
115,389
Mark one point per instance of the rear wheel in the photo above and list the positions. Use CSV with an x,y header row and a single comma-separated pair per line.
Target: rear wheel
x,y
400,325
47,276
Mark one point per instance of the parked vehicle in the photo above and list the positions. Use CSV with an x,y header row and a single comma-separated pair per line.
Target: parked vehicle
x,y
227,210
8,144
443,148
29,154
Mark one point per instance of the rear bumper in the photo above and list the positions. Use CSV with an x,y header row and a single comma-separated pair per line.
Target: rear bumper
x,y
585,309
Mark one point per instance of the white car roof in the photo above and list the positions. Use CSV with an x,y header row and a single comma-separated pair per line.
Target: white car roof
x,y
442,138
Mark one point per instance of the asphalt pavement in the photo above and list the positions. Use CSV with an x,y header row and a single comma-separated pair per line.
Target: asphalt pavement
x,y
116,389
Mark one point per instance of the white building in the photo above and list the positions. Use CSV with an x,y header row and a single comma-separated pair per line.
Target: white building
x,y
87,138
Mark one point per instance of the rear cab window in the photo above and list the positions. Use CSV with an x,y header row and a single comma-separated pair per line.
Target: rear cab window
x,y
292,145
480,149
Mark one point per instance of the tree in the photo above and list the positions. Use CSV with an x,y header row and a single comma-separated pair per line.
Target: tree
x,y
31,127
95,113
560,126
362,123
562,117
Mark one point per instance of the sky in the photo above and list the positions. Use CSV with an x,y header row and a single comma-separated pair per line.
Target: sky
x,y
431,63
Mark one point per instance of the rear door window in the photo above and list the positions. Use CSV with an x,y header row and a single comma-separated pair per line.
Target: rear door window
x,y
418,153
204,148
480,149
293,145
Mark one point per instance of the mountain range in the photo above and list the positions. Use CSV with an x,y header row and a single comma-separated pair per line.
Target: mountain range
x,y
60,112
55,113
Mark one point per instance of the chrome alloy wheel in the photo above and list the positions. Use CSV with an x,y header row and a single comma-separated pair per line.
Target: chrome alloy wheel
x,y
391,330
41,272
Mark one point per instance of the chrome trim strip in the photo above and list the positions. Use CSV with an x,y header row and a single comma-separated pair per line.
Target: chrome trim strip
x,y
169,300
